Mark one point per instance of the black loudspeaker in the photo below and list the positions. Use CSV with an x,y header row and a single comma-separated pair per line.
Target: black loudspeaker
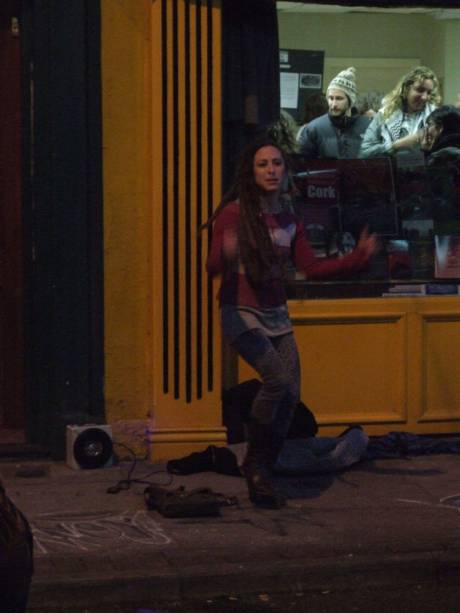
x,y
89,446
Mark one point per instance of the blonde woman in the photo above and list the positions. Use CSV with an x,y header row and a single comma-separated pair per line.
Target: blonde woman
x,y
399,124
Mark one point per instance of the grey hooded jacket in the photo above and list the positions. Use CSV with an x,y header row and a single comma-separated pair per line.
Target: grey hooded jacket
x,y
382,133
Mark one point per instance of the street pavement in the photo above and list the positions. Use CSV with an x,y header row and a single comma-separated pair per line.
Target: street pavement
x,y
385,532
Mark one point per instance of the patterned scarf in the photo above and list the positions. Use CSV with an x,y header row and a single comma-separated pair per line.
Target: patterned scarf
x,y
394,123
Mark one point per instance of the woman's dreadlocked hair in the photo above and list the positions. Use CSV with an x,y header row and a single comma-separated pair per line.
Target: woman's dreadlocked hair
x,y
256,248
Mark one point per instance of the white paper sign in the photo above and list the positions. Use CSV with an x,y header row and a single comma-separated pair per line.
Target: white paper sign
x,y
289,87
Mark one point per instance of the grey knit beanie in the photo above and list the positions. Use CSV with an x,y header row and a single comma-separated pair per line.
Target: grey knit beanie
x,y
346,81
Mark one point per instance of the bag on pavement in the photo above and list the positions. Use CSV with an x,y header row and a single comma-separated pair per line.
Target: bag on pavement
x,y
198,502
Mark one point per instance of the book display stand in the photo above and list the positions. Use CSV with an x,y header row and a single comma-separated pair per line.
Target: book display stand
x,y
414,210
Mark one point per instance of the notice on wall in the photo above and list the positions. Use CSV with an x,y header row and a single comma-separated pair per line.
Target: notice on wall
x,y
289,87
301,74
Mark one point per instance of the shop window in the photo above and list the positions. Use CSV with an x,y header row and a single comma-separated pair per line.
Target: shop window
x,y
412,207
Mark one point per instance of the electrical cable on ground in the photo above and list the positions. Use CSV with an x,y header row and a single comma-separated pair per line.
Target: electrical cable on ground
x,y
125,484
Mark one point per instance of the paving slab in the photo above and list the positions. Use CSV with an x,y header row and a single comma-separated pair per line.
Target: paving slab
x,y
388,524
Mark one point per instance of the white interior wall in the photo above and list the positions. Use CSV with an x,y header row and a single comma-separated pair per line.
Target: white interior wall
x,y
373,75
452,60
382,46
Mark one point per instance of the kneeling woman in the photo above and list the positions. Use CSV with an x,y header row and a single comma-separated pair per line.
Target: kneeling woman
x,y
254,235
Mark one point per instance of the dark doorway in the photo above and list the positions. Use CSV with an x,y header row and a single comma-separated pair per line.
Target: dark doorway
x,y
12,412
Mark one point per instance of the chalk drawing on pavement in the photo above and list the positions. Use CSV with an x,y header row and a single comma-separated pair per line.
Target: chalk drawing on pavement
x,y
54,532
447,502
451,501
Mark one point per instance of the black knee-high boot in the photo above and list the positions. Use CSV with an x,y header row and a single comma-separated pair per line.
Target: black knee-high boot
x,y
276,444
257,466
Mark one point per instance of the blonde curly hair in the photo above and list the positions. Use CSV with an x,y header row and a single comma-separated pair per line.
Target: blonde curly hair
x,y
397,98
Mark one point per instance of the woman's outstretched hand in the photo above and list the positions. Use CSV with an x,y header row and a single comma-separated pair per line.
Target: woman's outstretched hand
x,y
368,244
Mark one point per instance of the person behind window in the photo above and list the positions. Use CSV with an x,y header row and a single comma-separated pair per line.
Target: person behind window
x,y
255,235
441,139
283,132
315,106
398,126
441,145
337,134
369,103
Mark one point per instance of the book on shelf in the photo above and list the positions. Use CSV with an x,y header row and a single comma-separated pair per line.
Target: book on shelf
x,y
407,288
422,258
447,257
399,260
400,295
417,229
442,289
423,289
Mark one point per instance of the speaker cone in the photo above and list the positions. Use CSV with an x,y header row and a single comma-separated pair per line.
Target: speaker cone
x,y
92,448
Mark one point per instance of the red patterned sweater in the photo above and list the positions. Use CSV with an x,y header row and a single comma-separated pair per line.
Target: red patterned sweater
x,y
289,238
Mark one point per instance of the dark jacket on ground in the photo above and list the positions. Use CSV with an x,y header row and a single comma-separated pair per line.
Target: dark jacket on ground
x,y
326,138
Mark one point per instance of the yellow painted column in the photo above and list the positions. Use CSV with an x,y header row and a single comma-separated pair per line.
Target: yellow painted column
x,y
161,100
126,65
186,183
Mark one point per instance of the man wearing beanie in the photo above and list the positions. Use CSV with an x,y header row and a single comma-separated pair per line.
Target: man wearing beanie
x,y
338,133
